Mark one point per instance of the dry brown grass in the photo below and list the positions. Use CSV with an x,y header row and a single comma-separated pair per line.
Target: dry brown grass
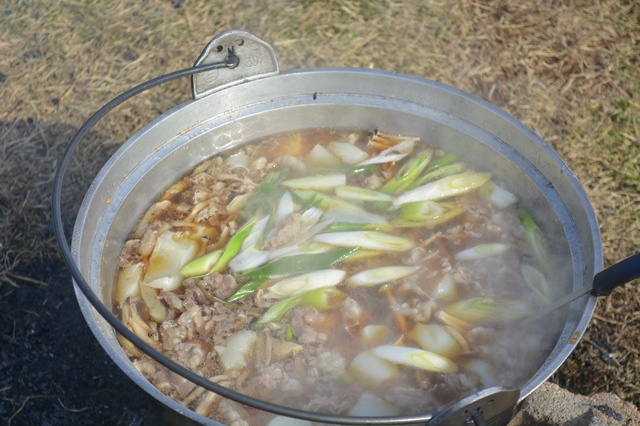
x,y
568,69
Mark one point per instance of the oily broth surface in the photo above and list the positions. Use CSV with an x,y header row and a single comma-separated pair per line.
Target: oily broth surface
x,y
305,358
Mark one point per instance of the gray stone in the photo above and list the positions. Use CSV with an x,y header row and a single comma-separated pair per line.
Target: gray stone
x,y
550,405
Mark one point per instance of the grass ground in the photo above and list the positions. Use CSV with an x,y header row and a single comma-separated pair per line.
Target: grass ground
x,y
568,69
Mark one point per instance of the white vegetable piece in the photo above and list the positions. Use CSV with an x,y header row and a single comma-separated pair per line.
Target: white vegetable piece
x,y
375,334
499,196
445,289
372,371
366,239
444,188
486,372
321,156
129,280
238,346
347,152
303,283
288,421
434,338
381,275
481,251
171,252
370,405
416,358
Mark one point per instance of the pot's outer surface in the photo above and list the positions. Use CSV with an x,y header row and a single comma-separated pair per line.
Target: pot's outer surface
x,y
476,131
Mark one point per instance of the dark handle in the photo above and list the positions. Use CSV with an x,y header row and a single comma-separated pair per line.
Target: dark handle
x,y
616,275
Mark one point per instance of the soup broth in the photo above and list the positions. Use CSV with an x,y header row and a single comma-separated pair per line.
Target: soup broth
x,y
344,272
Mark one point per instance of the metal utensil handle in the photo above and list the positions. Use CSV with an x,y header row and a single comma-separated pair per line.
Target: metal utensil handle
x,y
257,60
616,275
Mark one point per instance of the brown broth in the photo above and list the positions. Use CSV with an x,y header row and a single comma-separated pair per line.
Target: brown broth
x,y
304,358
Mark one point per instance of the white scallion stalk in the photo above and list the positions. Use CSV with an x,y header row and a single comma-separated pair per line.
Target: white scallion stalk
x,y
393,153
482,251
444,188
285,208
317,183
381,275
249,258
415,358
347,152
338,215
303,283
361,194
256,233
366,239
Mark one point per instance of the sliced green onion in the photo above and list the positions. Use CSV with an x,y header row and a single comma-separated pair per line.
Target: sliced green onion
x,y
277,311
366,239
451,211
439,172
421,210
487,309
394,153
348,169
201,265
323,299
415,358
320,298
408,173
305,282
288,334
533,235
247,289
357,226
481,251
444,188
325,202
347,192
537,282
300,263
381,275
233,246
442,161
318,183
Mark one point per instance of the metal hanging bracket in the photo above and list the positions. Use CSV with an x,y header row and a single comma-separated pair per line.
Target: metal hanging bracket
x,y
256,59
490,407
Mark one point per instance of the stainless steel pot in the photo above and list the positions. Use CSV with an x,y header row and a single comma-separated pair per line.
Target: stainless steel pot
x,y
237,104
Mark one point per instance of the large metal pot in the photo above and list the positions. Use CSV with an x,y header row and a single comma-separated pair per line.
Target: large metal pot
x,y
232,106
